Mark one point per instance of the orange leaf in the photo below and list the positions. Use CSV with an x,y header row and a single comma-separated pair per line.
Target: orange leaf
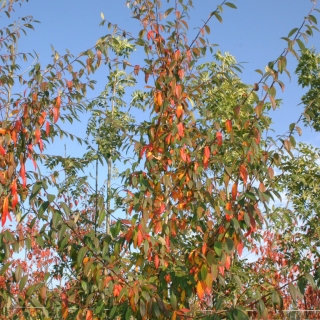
x,y
159,99
229,126
64,300
56,114
234,191
47,128
42,117
256,135
158,227
156,261
219,138
178,90
37,135
14,137
228,262
183,154
271,173
89,315
179,111
262,187
243,174
200,291
177,54
180,129
206,156
58,102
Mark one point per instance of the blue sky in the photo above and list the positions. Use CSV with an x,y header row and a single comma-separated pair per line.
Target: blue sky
x,y
251,33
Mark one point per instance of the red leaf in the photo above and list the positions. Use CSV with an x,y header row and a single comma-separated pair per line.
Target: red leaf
x,y
5,211
41,145
140,237
240,248
23,175
13,186
243,174
136,69
180,129
181,74
162,208
15,200
2,150
219,138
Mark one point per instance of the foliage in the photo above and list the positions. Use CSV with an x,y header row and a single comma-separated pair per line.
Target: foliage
x,y
202,180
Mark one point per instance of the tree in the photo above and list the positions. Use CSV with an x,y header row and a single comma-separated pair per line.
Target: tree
x,y
199,188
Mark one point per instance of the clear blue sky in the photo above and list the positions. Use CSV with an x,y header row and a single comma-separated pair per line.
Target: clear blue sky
x,y
251,33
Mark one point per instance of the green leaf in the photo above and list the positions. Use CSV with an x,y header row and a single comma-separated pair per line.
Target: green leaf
x,y
35,190
204,272
230,245
82,252
312,19
4,268
294,30
173,300
65,208
301,45
231,5
51,197
18,273
217,15
23,282
167,12
113,312
218,248
310,279
293,292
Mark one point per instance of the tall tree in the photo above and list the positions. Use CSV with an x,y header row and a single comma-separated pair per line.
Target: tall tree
x,y
200,187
